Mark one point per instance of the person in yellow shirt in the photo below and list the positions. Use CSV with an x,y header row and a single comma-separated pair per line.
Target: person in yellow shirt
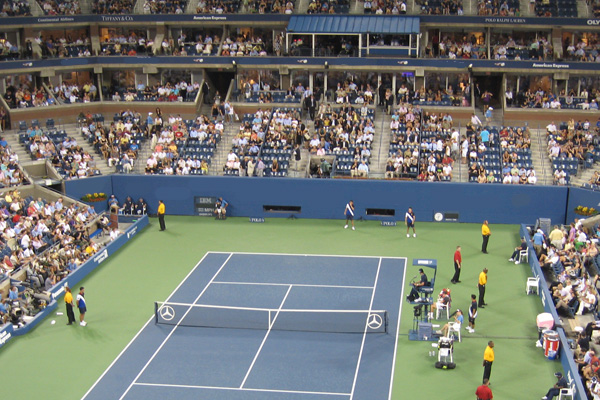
x,y
481,285
485,232
488,359
556,237
69,304
161,215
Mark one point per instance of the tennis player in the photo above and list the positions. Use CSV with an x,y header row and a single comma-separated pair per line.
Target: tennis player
x,y
409,220
349,211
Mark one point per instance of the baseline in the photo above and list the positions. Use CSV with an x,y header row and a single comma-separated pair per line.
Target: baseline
x,y
151,391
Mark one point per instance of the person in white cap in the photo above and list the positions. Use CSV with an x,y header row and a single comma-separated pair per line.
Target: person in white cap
x,y
488,114
149,123
538,241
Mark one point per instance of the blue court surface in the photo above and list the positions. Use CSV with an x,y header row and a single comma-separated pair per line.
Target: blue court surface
x,y
288,347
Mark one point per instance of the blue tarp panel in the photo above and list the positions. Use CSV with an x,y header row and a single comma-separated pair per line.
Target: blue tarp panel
x,y
353,24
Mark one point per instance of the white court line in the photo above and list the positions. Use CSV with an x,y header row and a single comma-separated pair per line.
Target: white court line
x,y
242,389
306,255
362,345
174,328
398,329
265,338
295,284
140,331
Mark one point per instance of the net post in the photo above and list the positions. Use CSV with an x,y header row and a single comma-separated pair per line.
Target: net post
x,y
385,319
156,312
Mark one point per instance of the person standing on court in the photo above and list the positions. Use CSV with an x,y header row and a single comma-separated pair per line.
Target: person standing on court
x,y
69,305
484,392
457,265
472,314
485,232
409,220
481,285
349,212
161,215
81,304
488,359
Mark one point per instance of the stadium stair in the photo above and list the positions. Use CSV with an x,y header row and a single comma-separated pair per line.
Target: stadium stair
x,y
380,147
144,152
526,10
220,156
74,131
86,7
36,9
584,175
539,157
12,138
302,6
470,7
583,9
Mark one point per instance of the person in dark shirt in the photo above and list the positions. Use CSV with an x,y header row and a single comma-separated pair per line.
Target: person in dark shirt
x,y
10,98
583,343
141,207
515,255
472,314
128,206
555,391
414,293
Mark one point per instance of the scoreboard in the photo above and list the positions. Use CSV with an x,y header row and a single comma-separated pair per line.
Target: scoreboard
x,y
205,205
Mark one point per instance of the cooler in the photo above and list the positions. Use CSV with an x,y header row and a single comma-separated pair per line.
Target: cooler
x,y
425,331
545,321
551,342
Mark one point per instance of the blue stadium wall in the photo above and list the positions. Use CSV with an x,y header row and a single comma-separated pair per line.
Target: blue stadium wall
x,y
326,198
581,197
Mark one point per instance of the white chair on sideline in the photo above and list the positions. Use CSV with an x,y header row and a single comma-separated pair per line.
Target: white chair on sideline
x,y
565,394
533,284
523,256
454,328
440,307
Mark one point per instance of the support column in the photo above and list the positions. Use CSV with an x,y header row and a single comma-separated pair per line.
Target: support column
x,y
360,45
487,42
95,39
285,82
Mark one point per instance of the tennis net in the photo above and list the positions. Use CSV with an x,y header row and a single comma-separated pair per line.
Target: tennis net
x,y
211,316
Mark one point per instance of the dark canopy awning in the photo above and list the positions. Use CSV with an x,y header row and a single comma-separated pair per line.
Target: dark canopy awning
x,y
353,24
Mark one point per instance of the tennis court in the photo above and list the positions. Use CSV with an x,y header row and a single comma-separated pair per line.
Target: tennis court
x,y
267,326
